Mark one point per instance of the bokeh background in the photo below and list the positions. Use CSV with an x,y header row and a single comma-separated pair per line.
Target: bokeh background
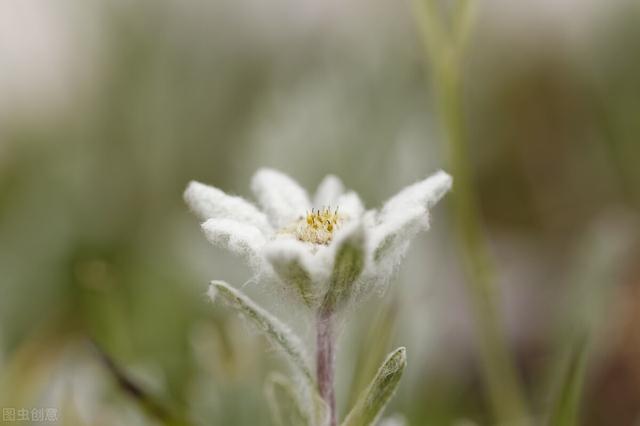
x,y
109,108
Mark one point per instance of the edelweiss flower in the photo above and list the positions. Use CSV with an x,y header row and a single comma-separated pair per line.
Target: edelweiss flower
x,y
327,251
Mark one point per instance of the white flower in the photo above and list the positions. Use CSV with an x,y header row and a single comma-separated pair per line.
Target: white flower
x,y
327,251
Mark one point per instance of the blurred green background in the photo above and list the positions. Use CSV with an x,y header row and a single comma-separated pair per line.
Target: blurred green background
x,y
109,108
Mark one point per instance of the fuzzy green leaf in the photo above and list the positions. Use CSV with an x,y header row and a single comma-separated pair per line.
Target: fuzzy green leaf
x,y
349,263
283,402
294,274
373,400
286,407
274,329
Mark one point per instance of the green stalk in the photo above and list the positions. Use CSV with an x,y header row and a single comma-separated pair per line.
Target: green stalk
x,y
502,382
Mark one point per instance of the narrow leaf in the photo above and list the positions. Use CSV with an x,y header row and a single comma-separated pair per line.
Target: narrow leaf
x,y
286,407
283,402
565,409
297,276
373,400
274,329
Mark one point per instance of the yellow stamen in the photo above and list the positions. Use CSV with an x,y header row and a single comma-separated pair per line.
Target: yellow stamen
x,y
318,226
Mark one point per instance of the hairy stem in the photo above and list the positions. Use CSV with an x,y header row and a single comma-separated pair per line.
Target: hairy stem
x,y
324,361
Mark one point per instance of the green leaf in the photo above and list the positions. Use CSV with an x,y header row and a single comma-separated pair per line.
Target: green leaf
x,y
373,400
348,265
372,347
565,409
283,402
294,274
274,329
286,407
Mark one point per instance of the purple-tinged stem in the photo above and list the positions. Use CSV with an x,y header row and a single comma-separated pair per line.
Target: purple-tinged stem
x,y
324,361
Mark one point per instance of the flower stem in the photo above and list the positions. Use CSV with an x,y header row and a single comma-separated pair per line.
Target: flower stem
x,y
325,361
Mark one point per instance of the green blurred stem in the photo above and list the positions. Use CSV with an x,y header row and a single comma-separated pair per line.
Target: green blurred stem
x,y
149,404
501,376
567,402
502,382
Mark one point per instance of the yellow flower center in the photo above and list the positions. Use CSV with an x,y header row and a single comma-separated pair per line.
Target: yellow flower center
x,y
318,226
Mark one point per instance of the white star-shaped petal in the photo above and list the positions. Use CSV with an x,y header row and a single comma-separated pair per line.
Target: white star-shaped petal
x,y
310,247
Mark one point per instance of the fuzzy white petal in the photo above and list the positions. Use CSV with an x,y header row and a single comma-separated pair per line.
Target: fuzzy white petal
x,y
350,205
424,193
401,218
208,202
328,192
281,198
285,249
391,238
353,230
237,237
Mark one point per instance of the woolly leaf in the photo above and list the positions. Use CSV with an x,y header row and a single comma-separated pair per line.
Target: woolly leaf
x,y
373,400
286,406
290,261
283,402
276,331
348,265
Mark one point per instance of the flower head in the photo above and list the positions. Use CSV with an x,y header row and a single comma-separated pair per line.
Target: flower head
x,y
327,250
318,227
